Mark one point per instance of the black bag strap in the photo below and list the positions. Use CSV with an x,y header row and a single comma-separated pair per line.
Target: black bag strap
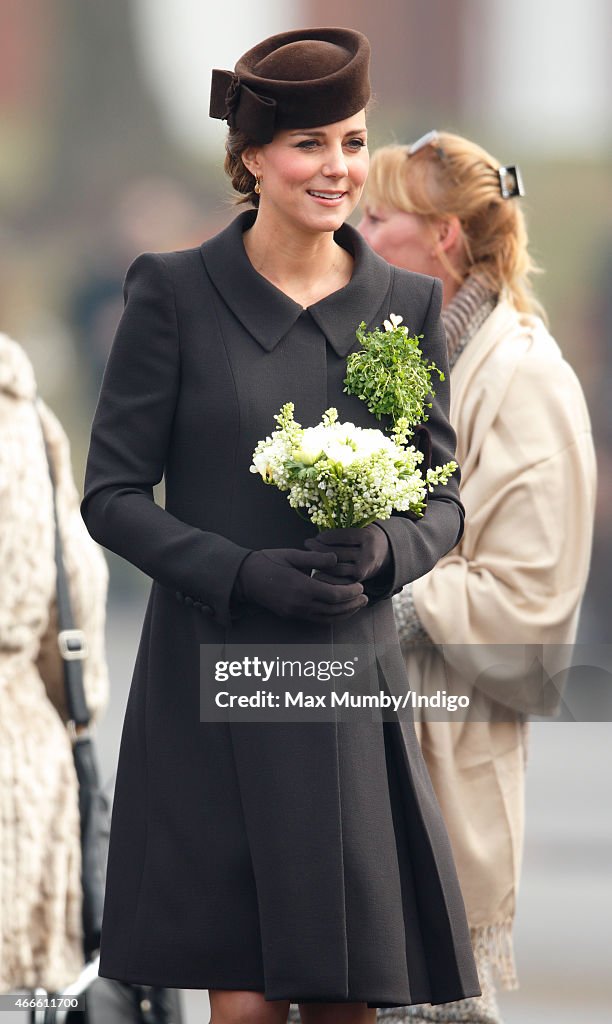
x,y
71,641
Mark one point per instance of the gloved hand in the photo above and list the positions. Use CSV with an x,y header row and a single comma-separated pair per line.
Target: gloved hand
x,y
362,552
280,579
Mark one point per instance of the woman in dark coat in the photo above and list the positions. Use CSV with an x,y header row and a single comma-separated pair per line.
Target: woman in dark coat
x,y
269,861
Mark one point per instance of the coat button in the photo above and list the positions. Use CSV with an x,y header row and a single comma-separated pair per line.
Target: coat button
x,y
197,604
206,609
188,600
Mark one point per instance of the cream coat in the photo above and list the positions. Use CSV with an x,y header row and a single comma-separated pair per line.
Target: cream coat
x,y
517,577
40,859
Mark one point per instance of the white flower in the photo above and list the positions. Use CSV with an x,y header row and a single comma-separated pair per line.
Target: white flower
x,y
310,445
340,452
261,465
393,322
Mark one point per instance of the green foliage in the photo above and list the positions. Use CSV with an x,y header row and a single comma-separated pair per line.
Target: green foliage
x,y
391,375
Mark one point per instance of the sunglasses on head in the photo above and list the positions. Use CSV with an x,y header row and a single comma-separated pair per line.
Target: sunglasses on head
x,y
510,180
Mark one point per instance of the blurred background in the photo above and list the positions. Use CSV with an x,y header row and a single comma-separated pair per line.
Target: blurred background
x,y
106,150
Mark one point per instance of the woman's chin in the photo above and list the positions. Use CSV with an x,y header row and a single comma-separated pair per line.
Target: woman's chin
x,y
326,218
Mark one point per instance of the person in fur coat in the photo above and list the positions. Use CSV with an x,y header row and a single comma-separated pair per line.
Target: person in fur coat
x,y
446,207
40,854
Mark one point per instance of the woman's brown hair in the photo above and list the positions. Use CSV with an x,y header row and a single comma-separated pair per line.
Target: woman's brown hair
x,y
242,180
454,177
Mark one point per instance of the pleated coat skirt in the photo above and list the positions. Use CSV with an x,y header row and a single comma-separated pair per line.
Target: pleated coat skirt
x,y
305,860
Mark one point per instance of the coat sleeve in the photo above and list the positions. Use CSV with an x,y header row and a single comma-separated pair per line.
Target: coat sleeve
x,y
417,544
129,441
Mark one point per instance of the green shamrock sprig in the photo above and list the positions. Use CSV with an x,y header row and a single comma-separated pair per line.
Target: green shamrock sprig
x,y
390,373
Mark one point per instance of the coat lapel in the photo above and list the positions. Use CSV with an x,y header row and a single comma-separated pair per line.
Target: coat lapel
x,y
268,314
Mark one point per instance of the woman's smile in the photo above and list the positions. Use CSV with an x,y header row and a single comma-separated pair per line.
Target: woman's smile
x,y
327,197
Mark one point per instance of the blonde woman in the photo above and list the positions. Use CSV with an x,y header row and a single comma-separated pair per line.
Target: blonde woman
x,y
446,207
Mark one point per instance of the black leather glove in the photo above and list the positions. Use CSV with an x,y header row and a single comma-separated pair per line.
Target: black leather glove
x,y
362,552
280,579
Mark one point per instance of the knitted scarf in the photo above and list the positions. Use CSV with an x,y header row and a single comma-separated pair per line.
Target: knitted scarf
x,y
465,314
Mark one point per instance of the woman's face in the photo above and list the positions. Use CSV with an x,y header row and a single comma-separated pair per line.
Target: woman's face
x,y
313,177
404,239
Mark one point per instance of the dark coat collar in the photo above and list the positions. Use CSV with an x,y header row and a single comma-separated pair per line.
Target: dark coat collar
x,y
268,314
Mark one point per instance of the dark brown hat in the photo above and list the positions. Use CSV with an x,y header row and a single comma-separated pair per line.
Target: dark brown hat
x,y
300,79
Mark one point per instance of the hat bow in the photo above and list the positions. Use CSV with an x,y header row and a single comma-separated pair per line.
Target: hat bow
x,y
233,101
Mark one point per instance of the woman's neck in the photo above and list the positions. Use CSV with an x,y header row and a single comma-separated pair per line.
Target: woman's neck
x,y
305,265
450,285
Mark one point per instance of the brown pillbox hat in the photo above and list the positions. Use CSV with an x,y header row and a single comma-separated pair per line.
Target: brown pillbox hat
x,y
300,79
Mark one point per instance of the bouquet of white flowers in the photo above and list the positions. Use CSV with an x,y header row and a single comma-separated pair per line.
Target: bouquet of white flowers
x,y
343,475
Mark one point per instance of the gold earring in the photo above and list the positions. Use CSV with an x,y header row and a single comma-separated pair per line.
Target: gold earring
x,y
257,186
